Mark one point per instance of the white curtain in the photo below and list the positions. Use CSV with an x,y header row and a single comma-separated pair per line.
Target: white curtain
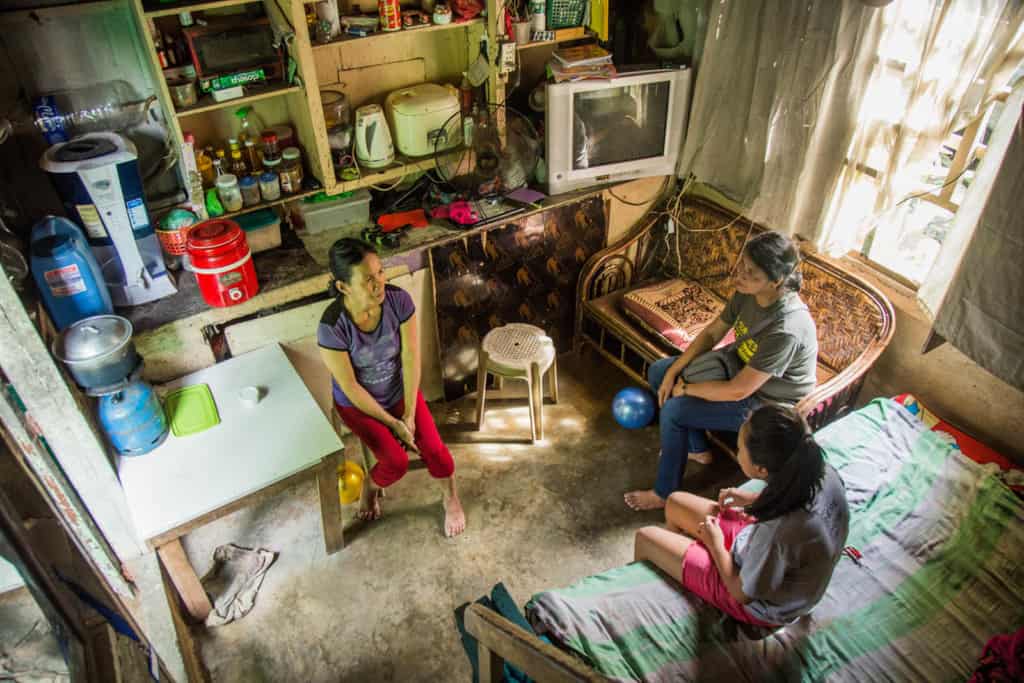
x,y
937,66
775,104
976,288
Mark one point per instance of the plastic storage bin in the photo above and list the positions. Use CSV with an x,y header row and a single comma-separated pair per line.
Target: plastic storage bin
x,y
262,229
325,214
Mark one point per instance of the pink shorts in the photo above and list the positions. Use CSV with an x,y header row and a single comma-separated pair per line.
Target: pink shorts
x,y
701,577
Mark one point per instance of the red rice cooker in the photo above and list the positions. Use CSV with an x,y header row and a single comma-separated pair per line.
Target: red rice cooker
x,y
222,262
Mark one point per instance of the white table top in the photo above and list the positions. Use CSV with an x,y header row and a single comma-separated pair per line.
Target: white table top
x,y
253,447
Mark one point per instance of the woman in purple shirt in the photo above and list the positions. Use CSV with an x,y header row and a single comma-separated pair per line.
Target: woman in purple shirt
x,y
368,340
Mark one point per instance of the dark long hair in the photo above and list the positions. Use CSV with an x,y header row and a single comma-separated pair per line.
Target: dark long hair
x,y
344,255
778,257
779,440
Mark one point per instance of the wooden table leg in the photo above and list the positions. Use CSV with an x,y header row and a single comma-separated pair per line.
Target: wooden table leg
x,y
183,576
330,504
481,387
536,401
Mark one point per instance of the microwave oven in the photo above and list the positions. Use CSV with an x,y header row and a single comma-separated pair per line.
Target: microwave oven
x,y
219,50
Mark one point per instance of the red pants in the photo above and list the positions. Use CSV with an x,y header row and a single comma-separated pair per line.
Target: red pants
x,y
392,460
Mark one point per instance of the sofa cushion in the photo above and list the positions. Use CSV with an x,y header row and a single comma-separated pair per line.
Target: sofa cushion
x,y
675,310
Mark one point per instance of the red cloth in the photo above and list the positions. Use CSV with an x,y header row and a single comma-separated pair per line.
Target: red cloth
x,y
1002,661
701,577
416,218
392,459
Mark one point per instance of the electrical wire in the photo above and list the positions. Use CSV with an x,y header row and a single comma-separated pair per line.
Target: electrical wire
x,y
645,202
939,187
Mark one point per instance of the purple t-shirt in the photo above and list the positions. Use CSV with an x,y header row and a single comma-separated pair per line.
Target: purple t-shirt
x,y
376,356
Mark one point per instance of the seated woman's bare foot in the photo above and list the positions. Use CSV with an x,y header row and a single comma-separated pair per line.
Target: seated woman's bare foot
x,y
644,500
369,503
454,516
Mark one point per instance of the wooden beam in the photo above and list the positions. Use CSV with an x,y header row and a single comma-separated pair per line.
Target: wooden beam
x,y
500,639
183,576
51,407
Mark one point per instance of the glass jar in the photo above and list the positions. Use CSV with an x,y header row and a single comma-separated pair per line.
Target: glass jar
x,y
291,170
271,151
250,190
229,192
270,188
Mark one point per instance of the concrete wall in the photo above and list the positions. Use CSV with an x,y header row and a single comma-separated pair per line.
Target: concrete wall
x,y
948,382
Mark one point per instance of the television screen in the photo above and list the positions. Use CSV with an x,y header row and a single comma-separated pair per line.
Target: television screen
x,y
614,125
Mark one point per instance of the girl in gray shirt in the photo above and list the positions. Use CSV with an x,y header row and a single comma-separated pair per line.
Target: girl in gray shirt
x,y
763,558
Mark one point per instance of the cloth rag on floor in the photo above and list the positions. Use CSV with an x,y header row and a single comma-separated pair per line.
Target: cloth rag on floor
x,y
234,581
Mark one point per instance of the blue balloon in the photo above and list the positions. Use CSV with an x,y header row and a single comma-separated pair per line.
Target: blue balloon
x,y
633,408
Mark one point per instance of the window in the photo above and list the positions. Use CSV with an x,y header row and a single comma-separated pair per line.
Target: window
x,y
903,184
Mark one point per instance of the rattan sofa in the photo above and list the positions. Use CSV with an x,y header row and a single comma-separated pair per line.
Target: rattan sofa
x,y
855,321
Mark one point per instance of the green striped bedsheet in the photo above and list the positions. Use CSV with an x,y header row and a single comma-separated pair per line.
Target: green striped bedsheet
x,y
943,549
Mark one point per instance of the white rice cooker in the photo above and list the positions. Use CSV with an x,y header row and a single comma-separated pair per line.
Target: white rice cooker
x,y
424,119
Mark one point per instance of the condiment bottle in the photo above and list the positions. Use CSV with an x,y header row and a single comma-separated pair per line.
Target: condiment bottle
x,y
238,166
270,188
229,192
250,190
270,149
205,165
251,155
291,170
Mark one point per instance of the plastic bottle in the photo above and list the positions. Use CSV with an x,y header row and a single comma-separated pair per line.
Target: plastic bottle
x,y
220,164
270,187
465,95
66,273
205,165
250,125
250,190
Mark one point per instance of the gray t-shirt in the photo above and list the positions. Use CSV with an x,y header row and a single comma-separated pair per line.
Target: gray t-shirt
x,y
786,563
786,348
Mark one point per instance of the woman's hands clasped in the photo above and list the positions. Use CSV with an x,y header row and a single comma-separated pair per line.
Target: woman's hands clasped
x,y
404,432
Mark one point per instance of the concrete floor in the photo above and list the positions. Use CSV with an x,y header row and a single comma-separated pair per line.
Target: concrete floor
x,y
539,516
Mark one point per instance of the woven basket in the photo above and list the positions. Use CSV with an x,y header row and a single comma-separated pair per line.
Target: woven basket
x,y
564,13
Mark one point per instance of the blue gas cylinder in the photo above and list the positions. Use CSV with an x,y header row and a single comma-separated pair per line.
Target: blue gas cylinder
x,y
66,272
133,419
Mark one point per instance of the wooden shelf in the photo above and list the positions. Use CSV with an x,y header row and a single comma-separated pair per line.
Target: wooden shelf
x,y
217,4
384,35
401,167
207,104
283,199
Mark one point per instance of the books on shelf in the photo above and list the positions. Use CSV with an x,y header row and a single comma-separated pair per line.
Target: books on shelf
x,y
581,62
561,74
582,55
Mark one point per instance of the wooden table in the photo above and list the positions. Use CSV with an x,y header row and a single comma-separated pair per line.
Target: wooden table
x,y
255,452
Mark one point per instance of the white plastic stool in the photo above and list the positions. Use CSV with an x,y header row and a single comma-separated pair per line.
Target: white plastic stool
x,y
518,351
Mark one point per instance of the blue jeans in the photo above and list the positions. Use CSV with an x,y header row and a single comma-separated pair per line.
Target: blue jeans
x,y
682,421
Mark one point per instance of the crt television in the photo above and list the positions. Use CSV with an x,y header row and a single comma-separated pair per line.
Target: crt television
x,y
627,127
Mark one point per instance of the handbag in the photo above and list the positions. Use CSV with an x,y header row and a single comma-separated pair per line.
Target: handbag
x,y
721,365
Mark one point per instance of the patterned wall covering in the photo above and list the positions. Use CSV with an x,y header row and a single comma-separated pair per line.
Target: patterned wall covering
x,y
523,271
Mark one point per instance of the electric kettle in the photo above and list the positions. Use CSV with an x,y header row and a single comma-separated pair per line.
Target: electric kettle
x,y
374,148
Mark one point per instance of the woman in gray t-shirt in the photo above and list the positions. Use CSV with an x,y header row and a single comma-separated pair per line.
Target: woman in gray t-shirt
x,y
773,356
762,558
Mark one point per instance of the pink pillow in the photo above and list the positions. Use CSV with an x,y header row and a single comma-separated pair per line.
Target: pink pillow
x,y
675,310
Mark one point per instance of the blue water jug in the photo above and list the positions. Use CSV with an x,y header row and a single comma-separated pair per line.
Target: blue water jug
x,y
133,419
66,273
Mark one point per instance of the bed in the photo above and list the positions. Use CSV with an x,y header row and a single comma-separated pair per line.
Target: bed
x,y
942,571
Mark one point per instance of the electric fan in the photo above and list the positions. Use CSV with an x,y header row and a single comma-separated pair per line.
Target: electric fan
x,y
495,160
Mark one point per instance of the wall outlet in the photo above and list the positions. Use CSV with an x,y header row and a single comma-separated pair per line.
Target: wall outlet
x,y
506,57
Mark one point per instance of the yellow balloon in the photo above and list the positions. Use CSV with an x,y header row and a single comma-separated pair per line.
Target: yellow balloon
x,y
350,482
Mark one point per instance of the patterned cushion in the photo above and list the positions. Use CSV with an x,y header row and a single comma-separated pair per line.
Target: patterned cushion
x,y
675,310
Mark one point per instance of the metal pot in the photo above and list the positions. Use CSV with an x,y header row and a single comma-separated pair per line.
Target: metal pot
x,y
98,351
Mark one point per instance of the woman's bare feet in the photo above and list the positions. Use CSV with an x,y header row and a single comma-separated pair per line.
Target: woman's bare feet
x,y
454,515
704,458
644,500
369,502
